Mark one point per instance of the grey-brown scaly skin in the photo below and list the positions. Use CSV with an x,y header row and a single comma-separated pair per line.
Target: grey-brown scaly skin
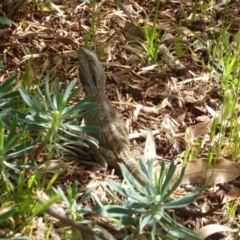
x,y
115,135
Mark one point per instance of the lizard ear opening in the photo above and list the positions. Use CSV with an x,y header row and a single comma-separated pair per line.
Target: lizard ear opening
x,y
82,77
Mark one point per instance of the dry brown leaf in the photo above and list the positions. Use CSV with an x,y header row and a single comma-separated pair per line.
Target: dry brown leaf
x,y
143,133
67,40
197,130
199,171
181,116
137,111
133,59
54,167
169,125
210,229
156,109
150,147
132,32
193,132
212,111
233,194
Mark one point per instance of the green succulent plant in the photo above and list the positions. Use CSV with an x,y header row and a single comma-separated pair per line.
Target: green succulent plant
x,y
145,209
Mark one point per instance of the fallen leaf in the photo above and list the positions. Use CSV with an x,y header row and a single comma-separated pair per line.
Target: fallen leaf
x,y
56,167
150,147
181,115
137,111
211,111
133,59
67,40
210,229
193,132
199,171
156,109
232,194
133,32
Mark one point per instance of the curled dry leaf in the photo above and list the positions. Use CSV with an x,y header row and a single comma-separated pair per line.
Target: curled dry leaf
x,y
143,133
156,109
193,132
67,40
210,229
211,111
169,125
133,32
197,130
200,171
137,111
232,194
54,167
133,59
150,147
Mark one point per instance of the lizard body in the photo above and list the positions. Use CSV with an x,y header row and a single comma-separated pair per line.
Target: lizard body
x,y
114,136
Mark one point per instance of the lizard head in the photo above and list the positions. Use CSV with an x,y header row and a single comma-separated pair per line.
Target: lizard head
x,y
91,71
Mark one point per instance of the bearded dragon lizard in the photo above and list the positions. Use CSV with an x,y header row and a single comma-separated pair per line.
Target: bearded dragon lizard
x,y
114,136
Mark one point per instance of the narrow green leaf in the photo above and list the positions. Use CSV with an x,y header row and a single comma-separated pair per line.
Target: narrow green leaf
x,y
86,196
140,205
36,127
11,166
49,100
10,104
1,138
88,113
4,217
6,21
43,207
8,84
168,181
22,150
110,211
11,113
179,232
39,120
60,192
87,129
30,101
57,96
68,90
73,94
186,200
127,192
13,128
128,177
126,221
79,107
144,221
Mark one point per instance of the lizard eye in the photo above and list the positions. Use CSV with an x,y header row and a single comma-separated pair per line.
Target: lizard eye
x,y
90,60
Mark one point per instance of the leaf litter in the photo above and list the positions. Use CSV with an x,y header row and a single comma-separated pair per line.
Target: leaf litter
x,y
153,96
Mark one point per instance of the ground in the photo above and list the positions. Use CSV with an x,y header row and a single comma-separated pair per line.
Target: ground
x,y
144,87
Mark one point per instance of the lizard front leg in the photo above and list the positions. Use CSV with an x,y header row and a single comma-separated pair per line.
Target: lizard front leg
x,y
101,162
91,158
100,158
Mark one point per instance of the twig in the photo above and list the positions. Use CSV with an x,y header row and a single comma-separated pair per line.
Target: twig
x,y
87,233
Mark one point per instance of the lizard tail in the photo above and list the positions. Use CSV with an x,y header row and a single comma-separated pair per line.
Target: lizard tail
x,y
133,167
